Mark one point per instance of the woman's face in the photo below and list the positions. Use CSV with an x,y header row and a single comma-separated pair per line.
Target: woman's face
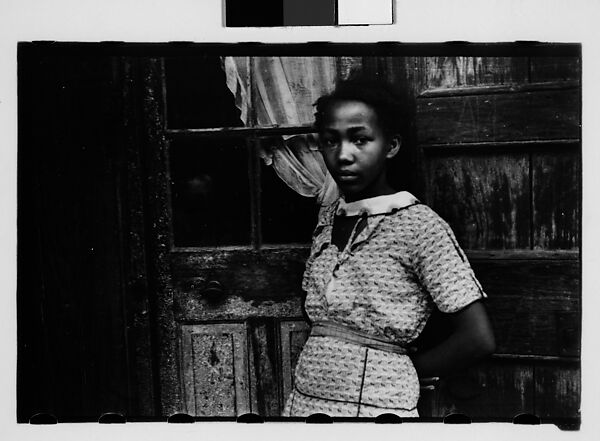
x,y
355,149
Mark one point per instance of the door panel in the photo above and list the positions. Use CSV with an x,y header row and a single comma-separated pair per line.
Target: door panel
x,y
494,117
556,199
491,390
527,298
486,197
265,366
265,283
214,359
551,383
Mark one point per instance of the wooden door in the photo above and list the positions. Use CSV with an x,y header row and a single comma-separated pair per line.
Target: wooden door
x,y
228,241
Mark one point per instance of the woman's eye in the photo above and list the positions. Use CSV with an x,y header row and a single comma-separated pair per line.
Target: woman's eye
x,y
360,141
329,143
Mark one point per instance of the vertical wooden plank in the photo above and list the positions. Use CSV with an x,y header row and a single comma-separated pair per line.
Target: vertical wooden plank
x,y
159,235
407,73
415,81
568,327
557,390
141,371
484,198
242,371
373,67
215,369
556,200
449,72
492,390
293,336
348,67
187,371
264,367
545,69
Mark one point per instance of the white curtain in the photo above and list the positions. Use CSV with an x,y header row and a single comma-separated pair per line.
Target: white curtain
x,y
281,91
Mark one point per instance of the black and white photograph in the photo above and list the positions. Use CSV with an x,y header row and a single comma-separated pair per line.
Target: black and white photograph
x,y
312,225
294,230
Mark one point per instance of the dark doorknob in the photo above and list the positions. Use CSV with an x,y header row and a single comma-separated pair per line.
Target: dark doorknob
x,y
213,291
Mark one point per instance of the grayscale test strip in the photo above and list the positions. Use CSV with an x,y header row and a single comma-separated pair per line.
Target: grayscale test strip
x,y
271,13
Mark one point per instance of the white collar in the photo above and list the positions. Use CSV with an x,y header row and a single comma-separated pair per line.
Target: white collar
x,y
376,205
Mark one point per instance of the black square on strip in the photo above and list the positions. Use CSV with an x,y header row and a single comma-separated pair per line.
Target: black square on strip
x,y
309,12
253,13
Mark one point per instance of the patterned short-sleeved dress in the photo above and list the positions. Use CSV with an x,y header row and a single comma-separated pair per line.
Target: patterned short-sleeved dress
x,y
384,284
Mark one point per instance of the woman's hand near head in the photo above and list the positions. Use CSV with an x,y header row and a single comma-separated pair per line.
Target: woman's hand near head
x,y
472,338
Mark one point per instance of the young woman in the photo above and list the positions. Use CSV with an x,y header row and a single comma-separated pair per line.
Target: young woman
x,y
380,262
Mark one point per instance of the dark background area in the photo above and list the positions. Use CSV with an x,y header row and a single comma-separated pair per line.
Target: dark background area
x,y
76,305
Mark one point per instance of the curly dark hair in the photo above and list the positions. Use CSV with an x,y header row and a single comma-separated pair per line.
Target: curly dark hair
x,y
379,95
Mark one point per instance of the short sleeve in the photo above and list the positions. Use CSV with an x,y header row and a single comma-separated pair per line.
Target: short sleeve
x,y
441,266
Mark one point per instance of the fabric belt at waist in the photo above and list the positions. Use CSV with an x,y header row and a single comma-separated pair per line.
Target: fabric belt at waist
x,y
349,335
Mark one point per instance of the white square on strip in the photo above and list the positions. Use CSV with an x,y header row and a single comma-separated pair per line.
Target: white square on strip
x,y
357,12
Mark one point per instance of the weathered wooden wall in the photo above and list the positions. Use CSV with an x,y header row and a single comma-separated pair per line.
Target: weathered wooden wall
x,y
499,147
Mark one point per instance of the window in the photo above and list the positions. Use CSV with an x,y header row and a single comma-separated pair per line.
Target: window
x,y
222,193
